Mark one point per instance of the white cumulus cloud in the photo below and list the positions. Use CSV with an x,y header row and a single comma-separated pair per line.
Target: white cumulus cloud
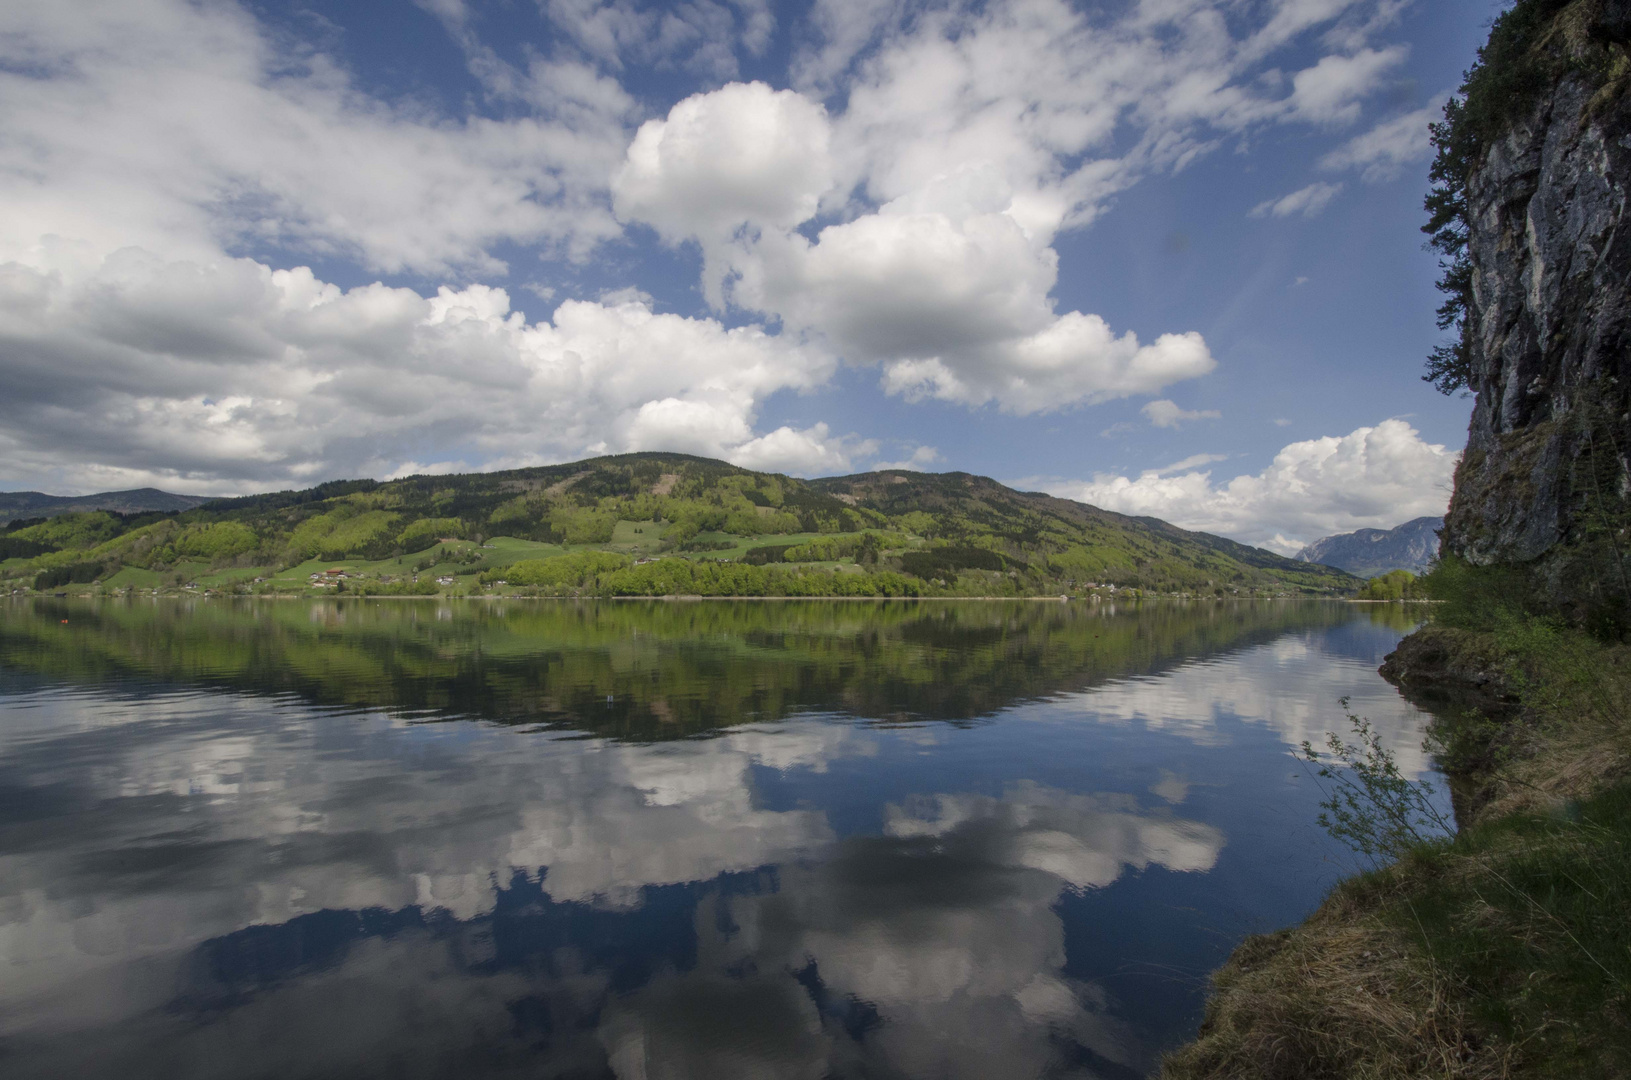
x,y
918,460
914,229
812,451
1193,461
142,143
1373,477
1167,414
1382,152
171,168
230,369
177,127
944,286
1308,202
742,154
1330,91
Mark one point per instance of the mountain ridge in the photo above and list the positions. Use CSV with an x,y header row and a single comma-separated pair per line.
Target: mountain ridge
x,y
15,505
715,528
1369,552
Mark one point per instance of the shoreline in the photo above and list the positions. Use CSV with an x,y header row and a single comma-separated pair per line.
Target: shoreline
x,y
1399,970
686,598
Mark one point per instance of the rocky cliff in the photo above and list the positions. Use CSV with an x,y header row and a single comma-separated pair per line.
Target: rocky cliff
x,y
1545,478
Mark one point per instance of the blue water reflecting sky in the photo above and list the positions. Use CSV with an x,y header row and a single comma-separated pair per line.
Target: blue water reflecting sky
x,y
220,882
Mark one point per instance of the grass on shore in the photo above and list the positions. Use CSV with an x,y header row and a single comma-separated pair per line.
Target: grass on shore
x,y
1504,951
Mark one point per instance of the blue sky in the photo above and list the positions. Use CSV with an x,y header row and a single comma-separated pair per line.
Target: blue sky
x,y
1159,255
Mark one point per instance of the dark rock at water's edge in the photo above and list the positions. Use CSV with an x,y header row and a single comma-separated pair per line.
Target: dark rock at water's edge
x,y
1545,477
1369,552
1462,676
36,504
1446,660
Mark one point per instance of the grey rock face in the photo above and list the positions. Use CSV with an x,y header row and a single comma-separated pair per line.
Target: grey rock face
x,y
1369,552
1544,478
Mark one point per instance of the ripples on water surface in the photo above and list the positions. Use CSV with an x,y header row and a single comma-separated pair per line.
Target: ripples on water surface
x,y
651,840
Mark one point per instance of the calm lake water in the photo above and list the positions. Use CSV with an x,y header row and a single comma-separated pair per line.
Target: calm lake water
x,y
653,840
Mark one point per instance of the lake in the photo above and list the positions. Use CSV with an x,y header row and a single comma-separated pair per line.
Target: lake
x,y
654,840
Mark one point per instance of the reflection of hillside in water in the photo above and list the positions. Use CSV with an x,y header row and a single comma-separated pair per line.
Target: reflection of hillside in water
x,y
640,670
198,875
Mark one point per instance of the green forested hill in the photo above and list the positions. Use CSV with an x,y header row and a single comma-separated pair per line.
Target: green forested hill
x,y
648,524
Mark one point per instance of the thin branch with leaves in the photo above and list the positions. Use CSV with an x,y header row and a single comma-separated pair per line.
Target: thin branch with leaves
x,y
1370,804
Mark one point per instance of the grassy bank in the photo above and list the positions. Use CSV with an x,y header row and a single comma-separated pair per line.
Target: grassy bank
x,y
1502,951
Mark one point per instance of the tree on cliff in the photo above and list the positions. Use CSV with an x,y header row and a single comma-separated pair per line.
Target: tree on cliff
x,y
1500,85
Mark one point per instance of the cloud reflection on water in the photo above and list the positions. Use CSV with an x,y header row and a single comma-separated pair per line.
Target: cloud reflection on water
x,y
1292,686
188,877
